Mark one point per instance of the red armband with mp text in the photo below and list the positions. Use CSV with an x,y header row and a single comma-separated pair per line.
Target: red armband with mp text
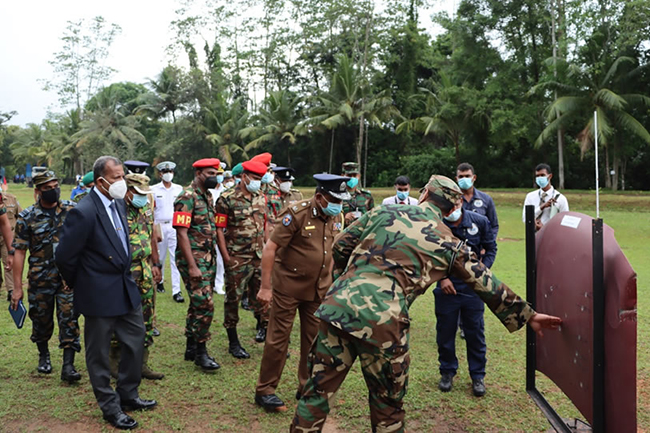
x,y
182,219
221,220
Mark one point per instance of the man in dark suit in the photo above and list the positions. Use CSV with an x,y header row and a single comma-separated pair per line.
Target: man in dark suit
x,y
93,258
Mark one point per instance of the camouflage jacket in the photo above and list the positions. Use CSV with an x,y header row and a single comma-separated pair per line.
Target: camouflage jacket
x,y
3,207
273,200
12,205
361,201
397,251
193,209
244,221
38,232
77,198
140,231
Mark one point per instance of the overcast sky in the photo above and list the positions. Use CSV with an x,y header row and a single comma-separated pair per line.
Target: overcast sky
x,y
30,32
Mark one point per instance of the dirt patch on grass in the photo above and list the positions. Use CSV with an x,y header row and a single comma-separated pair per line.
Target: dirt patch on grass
x,y
51,425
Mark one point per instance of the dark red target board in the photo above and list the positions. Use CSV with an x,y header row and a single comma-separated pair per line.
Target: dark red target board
x,y
565,287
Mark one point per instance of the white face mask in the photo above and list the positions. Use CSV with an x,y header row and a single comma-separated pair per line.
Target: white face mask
x,y
167,177
117,189
285,187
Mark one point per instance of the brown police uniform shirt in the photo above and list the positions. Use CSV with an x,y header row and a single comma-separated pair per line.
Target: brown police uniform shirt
x,y
290,198
10,202
302,263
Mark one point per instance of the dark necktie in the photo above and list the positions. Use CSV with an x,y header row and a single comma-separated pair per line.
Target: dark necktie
x,y
117,221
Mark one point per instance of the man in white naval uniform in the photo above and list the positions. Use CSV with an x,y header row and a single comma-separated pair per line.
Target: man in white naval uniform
x,y
216,193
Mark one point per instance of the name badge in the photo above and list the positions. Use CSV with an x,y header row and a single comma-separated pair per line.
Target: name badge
x,y
310,228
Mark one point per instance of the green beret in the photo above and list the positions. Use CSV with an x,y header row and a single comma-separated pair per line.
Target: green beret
x,y
237,170
88,178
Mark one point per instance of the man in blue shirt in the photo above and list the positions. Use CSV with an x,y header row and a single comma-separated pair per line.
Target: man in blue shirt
x,y
80,188
454,298
475,200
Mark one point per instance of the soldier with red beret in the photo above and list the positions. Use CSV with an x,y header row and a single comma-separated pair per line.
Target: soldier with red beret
x,y
269,189
194,220
241,213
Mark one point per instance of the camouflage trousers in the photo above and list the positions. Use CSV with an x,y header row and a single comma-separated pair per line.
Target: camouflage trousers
x,y
332,355
243,274
143,276
41,312
200,310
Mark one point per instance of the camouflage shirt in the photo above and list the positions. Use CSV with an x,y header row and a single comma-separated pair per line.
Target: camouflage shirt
x,y
193,210
3,207
395,251
77,198
361,201
13,208
38,231
243,219
140,231
273,200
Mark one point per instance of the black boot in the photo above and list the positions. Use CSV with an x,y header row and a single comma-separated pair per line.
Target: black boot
x,y
234,347
68,372
44,363
190,349
9,292
261,331
160,287
244,302
203,360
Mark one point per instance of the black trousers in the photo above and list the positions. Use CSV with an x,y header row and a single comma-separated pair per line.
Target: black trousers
x,y
129,331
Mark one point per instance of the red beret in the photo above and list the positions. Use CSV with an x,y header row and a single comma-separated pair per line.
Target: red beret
x,y
207,162
264,158
255,167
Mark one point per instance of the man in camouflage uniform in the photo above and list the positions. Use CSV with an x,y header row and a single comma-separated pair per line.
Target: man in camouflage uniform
x,y
12,205
361,201
145,266
284,179
89,181
269,190
390,254
37,230
194,221
241,212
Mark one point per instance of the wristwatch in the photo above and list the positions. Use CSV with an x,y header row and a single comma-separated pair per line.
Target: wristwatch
x,y
11,252
158,265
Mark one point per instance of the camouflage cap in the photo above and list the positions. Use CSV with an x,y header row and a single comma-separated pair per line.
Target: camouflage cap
x,y
139,182
44,177
443,187
350,168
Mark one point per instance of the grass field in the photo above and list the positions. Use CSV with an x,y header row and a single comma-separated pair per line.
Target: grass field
x,y
190,400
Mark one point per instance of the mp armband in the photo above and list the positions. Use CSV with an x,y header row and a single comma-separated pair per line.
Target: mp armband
x,y
182,219
221,220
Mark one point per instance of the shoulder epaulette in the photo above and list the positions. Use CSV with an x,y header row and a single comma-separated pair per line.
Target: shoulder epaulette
x,y
299,206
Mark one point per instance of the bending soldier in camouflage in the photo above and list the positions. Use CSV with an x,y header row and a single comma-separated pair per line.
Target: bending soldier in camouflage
x,y
144,257
194,221
37,230
241,212
389,254
361,200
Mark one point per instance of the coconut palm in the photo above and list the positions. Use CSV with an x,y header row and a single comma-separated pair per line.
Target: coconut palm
x,y
224,125
588,93
167,97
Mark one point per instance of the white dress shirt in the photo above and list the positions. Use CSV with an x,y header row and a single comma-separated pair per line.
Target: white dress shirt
x,y
165,197
539,197
395,200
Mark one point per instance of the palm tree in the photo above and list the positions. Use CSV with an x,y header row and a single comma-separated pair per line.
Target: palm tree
x,y
448,112
593,93
224,126
110,127
27,143
167,97
277,121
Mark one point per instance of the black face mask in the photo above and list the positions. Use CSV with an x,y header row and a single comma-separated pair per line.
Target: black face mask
x,y
51,196
210,182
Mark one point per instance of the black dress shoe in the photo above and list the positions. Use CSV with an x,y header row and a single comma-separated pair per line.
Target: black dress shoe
x,y
160,288
446,381
122,421
155,332
178,298
478,387
138,404
9,295
298,395
271,403
261,335
238,352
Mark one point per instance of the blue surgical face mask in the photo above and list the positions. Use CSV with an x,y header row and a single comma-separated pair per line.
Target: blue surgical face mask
x,y
542,181
353,182
254,186
267,178
139,200
332,209
220,178
237,180
465,183
454,216
402,195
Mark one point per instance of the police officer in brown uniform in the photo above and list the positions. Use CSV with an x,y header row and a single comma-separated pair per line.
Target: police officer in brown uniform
x,y
13,209
298,258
